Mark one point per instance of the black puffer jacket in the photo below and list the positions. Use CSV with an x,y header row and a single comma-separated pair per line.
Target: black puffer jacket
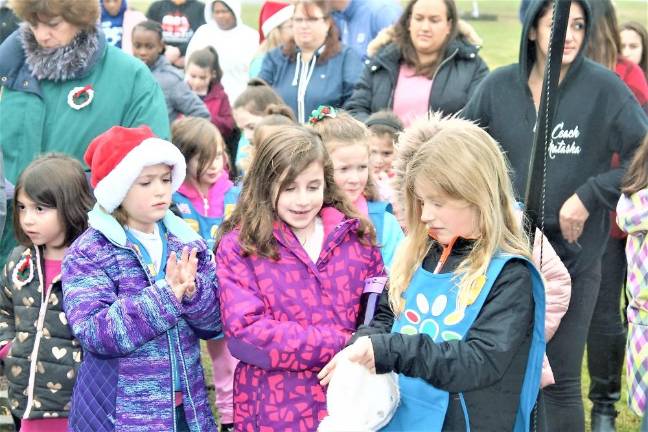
x,y
44,357
454,82
488,366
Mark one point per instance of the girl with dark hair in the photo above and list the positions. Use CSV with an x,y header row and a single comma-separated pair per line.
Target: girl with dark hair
x,y
634,44
596,116
203,74
425,66
292,263
41,359
148,46
313,69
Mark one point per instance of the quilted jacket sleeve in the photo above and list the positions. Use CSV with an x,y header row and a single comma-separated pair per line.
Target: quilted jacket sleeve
x,y
104,323
557,283
255,337
202,311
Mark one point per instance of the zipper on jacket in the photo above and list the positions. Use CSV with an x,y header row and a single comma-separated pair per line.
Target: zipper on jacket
x,y
186,378
39,334
443,63
148,278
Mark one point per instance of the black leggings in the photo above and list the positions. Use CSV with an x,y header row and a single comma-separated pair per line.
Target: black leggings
x,y
563,401
608,331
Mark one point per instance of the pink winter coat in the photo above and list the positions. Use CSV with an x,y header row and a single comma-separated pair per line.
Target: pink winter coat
x,y
557,294
286,319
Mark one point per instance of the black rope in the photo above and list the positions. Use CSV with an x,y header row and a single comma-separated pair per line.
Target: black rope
x,y
534,198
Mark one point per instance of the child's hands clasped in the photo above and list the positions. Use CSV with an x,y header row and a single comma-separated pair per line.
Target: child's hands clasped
x,y
360,352
181,273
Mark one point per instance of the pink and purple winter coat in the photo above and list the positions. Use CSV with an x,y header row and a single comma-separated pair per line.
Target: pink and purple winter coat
x,y
286,319
124,321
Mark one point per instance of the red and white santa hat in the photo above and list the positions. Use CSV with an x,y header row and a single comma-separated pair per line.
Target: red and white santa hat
x,y
272,15
117,157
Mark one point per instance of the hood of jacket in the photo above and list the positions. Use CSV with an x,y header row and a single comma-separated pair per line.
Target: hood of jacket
x,y
233,5
107,225
527,48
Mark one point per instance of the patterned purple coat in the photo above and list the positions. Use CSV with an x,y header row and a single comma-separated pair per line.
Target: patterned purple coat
x,y
124,322
286,319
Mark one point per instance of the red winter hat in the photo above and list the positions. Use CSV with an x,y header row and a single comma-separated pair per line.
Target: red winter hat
x,y
117,157
272,15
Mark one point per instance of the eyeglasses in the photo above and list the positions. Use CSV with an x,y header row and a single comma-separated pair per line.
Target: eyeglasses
x,y
311,20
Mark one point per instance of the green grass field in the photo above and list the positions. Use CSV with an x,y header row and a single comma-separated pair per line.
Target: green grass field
x,y
501,42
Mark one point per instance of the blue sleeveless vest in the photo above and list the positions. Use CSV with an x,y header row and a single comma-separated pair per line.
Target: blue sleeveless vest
x,y
204,225
431,308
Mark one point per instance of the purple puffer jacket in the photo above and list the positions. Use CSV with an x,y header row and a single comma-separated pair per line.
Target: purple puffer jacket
x,y
286,319
124,322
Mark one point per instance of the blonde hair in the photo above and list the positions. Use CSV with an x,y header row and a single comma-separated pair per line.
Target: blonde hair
x,y
341,131
460,160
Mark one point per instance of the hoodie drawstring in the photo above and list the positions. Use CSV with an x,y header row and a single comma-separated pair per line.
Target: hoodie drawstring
x,y
302,77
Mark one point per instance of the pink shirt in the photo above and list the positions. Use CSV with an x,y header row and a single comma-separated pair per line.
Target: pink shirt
x,y
411,95
213,204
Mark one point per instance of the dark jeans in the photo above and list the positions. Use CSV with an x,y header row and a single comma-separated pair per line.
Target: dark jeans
x,y
608,331
181,420
563,402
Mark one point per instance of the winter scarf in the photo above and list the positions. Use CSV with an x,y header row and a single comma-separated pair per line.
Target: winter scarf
x,y
62,63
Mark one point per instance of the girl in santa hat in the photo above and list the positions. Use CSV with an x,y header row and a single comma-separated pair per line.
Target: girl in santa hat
x,y
138,290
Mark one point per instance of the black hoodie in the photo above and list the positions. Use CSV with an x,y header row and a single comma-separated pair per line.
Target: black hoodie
x,y
596,115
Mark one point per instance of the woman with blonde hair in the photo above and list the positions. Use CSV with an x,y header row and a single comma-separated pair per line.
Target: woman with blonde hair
x,y
463,319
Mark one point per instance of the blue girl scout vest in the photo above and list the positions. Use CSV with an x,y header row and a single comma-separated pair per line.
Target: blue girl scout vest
x,y
435,313
206,226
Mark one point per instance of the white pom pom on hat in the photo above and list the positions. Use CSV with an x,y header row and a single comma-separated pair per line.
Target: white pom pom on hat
x,y
117,157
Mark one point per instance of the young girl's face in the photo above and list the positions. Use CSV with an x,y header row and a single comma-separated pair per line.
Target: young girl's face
x,y
198,78
147,45
631,47
445,217
41,224
300,202
246,121
351,169
382,153
209,175
148,200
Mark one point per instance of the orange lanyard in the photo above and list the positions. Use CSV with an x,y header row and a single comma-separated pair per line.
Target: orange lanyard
x,y
444,255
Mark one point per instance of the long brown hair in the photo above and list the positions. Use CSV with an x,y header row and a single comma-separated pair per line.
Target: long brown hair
x,y
280,157
332,41
56,181
404,40
605,44
343,130
198,137
636,177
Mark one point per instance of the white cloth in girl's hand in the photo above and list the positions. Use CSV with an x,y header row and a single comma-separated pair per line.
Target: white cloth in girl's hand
x,y
358,400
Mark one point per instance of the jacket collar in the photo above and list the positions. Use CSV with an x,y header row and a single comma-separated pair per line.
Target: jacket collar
x,y
389,56
15,74
107,225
